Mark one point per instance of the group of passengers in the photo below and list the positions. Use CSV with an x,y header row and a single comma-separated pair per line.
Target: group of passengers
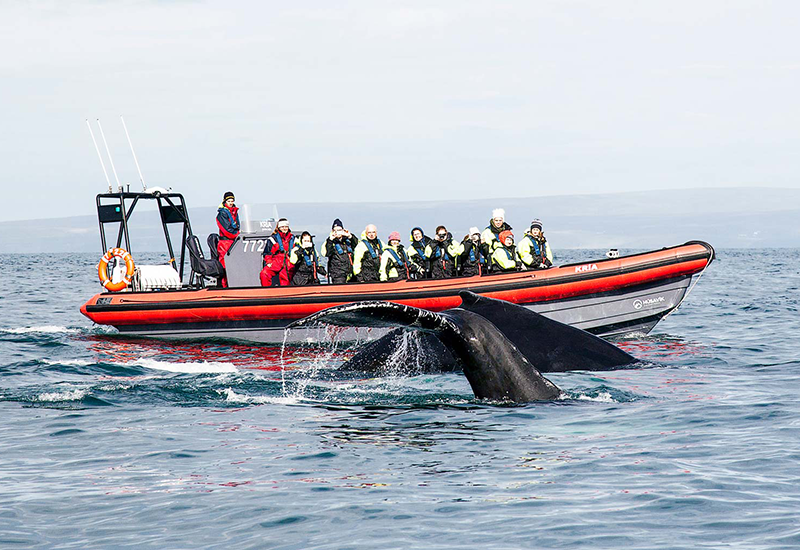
x,y
292,261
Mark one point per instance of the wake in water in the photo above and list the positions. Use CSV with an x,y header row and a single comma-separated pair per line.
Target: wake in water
x,y
46,329
116,370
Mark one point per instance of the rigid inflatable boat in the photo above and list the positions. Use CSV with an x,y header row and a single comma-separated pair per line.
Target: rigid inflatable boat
x,y
609,296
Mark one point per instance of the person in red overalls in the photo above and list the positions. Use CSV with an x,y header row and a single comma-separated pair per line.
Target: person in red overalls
x,y
277,268
228,223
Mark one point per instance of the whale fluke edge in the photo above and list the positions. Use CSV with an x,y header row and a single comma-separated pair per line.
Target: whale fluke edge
x,y
502,348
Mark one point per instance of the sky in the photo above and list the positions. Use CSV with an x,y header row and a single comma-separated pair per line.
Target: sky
x,y
355,101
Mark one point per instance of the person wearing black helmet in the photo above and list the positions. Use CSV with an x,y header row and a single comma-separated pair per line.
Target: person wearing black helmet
x,y
442,254
534,251
305,261
338,248
416,252
228,224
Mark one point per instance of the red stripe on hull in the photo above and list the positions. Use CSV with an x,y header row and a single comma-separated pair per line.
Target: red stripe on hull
x,y
526,287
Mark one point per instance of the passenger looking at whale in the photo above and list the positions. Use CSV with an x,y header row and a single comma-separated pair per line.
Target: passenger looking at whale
x,y
534,251
472,260
395,265
367,256
505,256
442,254
229,226
277,269
496,225
416,252
338,248
305,261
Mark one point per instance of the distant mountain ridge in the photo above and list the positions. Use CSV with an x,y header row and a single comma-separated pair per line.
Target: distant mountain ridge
x,y
725,217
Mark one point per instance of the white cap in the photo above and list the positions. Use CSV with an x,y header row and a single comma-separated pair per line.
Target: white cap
x,y
499,213
474,230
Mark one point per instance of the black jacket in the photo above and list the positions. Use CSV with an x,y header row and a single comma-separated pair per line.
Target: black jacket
x,y
340,258
419,257
473,260
306,267
443,265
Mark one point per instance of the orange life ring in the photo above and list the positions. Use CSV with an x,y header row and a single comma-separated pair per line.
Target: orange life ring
x,y
102,269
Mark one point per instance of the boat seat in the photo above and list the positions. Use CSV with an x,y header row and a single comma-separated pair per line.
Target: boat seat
x,y
213,244
206,267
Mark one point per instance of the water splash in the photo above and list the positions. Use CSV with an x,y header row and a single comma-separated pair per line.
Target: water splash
x,y
283,360
188,368
57,397
44,329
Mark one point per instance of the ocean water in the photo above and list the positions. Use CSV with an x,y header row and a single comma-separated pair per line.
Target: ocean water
x,y
108,441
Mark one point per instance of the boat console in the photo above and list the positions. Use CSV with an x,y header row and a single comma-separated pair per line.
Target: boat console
x,y
244,259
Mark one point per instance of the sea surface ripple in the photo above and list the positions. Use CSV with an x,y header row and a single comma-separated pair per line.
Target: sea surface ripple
x,y
110,441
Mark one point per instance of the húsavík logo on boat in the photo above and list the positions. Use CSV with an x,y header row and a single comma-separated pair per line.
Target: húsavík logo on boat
x,y
639,304
585,268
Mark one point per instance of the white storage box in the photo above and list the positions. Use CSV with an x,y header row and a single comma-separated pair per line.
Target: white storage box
x,y
155,277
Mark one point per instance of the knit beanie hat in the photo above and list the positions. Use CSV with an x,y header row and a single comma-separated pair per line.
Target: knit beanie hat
x,y
499,213
394,236
504,235
474,231
536,223
227,195
337,222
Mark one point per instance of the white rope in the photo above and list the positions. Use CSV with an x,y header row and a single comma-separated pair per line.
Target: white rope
x,y
694,284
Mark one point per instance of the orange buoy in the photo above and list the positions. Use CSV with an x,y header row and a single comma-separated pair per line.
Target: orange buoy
x,y
102,269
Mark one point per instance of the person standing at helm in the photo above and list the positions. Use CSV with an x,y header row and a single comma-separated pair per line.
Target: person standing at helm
x,y
305,261
367,256
534,251
228,224
472,260
395,265
491,233
442,254
505,257
416,252
277,268
338,248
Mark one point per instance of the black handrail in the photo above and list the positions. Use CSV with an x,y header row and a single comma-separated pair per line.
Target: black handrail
x,y
174,200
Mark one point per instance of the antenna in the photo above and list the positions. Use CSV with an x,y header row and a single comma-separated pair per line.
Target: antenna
x,y
96,148
141,178
103,135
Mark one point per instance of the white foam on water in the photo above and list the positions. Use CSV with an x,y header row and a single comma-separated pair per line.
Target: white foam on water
x,y
233,397
187,368
53,397
68,362
44,329
113,387
368,389
603,397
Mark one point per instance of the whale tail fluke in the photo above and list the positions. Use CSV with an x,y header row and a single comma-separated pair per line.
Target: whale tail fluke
x,y
375,315
550,345
493,365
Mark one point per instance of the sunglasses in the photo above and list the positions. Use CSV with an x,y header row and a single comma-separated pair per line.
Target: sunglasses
x,y
442,235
